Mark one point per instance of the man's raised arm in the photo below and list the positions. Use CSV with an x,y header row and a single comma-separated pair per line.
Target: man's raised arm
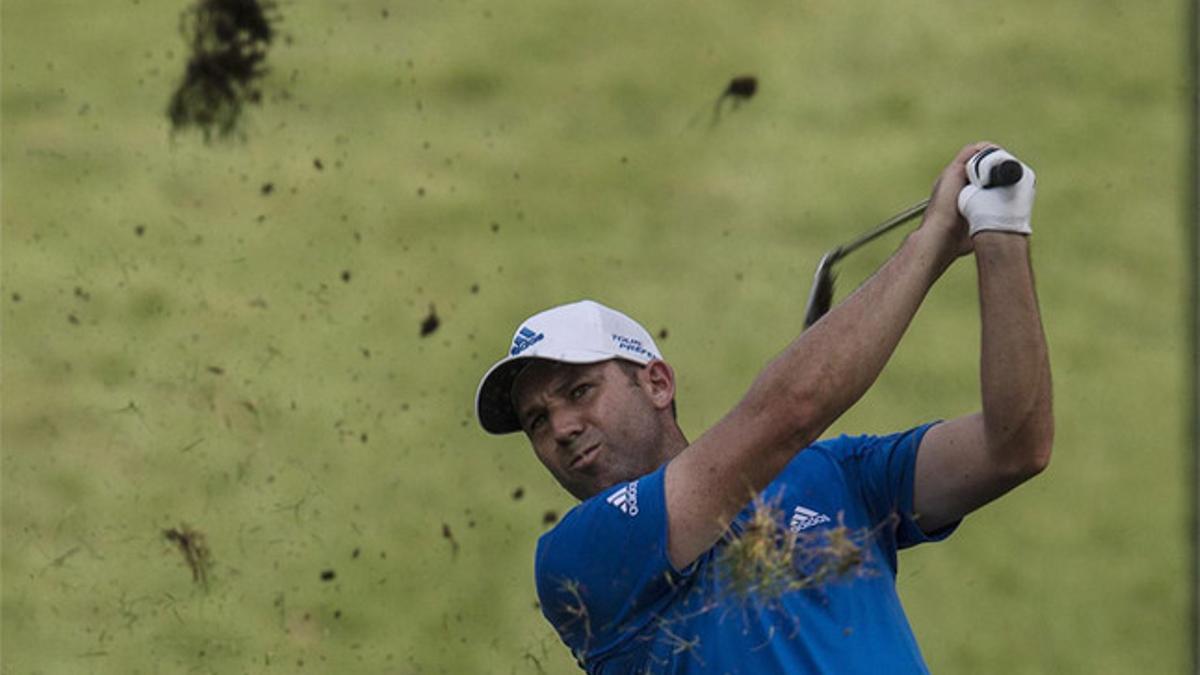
x,y
816,378
967,462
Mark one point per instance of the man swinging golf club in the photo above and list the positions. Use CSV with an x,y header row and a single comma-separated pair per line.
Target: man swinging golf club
x,y
629,577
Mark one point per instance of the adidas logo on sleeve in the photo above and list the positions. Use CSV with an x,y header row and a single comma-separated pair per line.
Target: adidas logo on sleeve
x,y
625,499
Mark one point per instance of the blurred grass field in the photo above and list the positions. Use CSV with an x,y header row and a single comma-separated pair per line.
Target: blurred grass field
x,y
183,346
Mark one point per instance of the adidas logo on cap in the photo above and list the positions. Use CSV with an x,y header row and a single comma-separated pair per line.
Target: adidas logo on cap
x,y
524,339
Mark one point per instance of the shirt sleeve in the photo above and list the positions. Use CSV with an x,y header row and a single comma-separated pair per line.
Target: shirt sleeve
x,y
603,572
887,469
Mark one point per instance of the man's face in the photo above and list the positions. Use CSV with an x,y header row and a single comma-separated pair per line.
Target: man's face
x,y
591,425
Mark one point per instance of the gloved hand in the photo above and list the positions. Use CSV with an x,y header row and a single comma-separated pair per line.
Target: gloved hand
x,y
1006,209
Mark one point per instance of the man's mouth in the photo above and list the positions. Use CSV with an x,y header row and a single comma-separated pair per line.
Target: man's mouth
x,y
585,458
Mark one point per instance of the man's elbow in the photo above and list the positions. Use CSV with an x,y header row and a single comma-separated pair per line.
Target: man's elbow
x,y
1031,455
1039,459
809,414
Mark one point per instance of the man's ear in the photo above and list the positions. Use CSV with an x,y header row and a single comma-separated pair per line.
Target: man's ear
x,y
658,381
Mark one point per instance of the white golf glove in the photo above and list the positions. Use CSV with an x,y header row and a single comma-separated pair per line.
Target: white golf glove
x,y
1006,209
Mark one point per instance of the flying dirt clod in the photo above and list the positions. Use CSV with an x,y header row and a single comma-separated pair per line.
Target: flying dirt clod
x,y
229,41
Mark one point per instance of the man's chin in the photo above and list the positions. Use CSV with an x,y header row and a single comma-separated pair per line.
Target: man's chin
x,y
586,490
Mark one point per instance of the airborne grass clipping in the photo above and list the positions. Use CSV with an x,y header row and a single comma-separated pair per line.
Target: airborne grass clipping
x,y
766,559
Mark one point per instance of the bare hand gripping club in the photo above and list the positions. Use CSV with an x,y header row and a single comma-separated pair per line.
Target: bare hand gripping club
x,y
985,174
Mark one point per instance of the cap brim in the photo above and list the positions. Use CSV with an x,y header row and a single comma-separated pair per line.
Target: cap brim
x,y
493,399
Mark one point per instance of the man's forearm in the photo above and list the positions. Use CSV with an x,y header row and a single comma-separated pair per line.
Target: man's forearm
x,y
831,365
1014,364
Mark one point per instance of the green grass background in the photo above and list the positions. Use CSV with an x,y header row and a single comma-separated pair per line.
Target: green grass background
x,y
493,159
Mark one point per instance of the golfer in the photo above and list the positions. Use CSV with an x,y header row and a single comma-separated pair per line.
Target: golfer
x,y
630,577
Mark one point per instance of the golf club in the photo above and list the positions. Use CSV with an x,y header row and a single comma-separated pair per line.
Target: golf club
x,y
820,298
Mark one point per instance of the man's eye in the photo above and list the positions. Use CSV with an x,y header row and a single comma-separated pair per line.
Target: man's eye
x,y
579,391
536,422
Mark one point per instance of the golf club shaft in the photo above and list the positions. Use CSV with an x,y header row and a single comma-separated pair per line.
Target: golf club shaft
x,y
1006,173
823,279
883,228
820,297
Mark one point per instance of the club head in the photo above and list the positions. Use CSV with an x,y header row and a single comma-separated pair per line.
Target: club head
x,y
820,298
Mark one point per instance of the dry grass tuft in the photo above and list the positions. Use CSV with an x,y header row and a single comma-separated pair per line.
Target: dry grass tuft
x,y
766,559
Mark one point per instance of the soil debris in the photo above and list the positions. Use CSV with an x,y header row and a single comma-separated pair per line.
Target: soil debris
x,y
229,40
195,551
449,536
740,89
431,322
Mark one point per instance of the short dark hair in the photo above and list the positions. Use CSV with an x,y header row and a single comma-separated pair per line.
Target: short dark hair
x,y
631,370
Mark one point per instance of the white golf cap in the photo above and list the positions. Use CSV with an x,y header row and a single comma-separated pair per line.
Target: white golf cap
x,y
581,332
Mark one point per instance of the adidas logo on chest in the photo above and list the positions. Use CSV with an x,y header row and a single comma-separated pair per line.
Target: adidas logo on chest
x,y
803,518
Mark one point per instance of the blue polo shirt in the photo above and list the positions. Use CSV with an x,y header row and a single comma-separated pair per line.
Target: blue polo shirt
x,y
607,586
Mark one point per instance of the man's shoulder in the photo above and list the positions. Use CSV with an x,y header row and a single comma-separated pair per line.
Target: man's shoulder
x,y
852,446
847,464
614,505
824,457
606,560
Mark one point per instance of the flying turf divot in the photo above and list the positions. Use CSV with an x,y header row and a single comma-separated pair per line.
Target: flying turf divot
x,y
766,559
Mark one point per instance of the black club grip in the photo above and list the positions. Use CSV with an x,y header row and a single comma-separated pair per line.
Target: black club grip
x,y
1007,172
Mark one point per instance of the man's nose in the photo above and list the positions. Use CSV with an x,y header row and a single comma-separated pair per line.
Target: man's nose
x,y
567,425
